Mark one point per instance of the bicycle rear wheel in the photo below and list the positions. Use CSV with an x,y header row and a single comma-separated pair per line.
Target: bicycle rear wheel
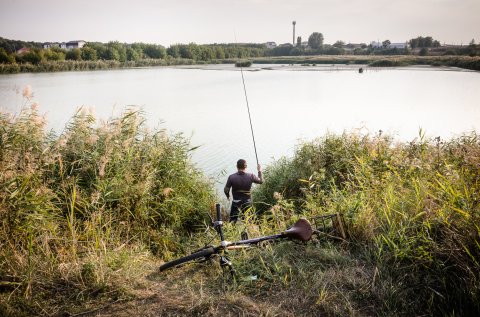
x,y
203,253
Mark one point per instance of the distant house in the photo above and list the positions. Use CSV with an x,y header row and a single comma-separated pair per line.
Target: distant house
x,y
23,50
75,44
376,44
270,45
50,44
65,45
398,45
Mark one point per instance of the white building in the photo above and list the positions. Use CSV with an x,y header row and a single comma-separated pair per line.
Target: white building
x,y
398,45
377,44
50,44
65,46
75,44
270,45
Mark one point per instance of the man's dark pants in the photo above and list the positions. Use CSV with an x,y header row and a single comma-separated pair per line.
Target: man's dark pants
x,y
237,208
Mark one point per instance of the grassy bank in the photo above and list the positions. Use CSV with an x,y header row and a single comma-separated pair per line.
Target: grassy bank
x,y
88,215
85,211
413,248
412,208
70,65
472,63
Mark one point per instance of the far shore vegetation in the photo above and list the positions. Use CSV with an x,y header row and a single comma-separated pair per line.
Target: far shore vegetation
x,y
88,215
20,56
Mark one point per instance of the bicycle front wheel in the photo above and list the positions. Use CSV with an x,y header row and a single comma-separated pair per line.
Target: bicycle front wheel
x,y
203,253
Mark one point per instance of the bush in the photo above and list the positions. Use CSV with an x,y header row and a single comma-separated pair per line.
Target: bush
x,y
6,58
243,64
74,54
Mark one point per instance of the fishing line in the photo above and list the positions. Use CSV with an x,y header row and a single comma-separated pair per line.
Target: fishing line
x,y
248,106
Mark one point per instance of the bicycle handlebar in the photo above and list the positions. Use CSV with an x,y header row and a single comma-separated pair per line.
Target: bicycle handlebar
x,y
219,215
219,222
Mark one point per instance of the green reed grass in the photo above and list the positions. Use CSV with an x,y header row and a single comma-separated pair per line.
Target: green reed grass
x,y
79,207
412,206
83,212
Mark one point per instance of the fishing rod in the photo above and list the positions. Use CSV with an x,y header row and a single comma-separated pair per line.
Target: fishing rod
x,y
249,116
248,106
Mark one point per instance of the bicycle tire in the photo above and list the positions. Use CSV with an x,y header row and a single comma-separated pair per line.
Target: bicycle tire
x,y
196,255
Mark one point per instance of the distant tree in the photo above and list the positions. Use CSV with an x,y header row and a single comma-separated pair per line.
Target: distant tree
x,y
423,51
35,56
174,51
315,40
184,51
6,58
120,48
194,51
11,46
112,54
299,41
74,54
100,48
339,44
54,55
359,51
331,50
219,52
154,51
421,42
88,54
296,51
133,54
386,43
472,42
281,50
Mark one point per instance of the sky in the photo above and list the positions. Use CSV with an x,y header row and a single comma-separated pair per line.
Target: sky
x,y
229,21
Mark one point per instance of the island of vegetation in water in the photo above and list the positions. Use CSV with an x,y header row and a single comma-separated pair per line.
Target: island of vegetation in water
x,y
33,57
89,214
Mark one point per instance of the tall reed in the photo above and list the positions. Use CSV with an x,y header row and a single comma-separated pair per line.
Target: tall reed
x,y
412,208
79,208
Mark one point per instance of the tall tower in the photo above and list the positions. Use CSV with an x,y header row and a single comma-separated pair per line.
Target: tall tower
x,y
293,42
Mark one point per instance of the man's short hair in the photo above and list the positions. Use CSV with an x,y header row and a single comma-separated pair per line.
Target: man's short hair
x,y
241,164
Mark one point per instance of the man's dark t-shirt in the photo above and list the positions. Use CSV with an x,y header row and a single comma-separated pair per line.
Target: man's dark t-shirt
x,y
241,184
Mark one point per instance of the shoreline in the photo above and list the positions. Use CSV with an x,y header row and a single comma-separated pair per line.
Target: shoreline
x,y
380,61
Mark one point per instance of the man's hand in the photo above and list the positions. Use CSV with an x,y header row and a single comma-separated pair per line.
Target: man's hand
x,y
259,167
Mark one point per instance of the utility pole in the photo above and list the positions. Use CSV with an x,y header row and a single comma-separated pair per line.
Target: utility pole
x,y
293,42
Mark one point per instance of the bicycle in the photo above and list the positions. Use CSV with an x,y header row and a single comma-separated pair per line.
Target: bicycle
x,y
301,230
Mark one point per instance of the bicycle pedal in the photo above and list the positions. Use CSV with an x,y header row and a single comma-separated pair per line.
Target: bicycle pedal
x,y
225,261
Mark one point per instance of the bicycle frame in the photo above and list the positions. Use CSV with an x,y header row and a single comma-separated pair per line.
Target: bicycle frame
x,y
301,230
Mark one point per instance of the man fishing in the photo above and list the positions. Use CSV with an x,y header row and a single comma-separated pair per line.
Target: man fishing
x,y
241,183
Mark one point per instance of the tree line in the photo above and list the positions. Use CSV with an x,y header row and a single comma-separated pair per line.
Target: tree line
x,y
123,52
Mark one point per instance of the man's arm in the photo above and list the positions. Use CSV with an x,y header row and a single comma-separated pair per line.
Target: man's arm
x,y
259,179
226,190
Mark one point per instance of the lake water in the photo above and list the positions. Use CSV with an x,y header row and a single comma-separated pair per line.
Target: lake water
x,y
287,104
